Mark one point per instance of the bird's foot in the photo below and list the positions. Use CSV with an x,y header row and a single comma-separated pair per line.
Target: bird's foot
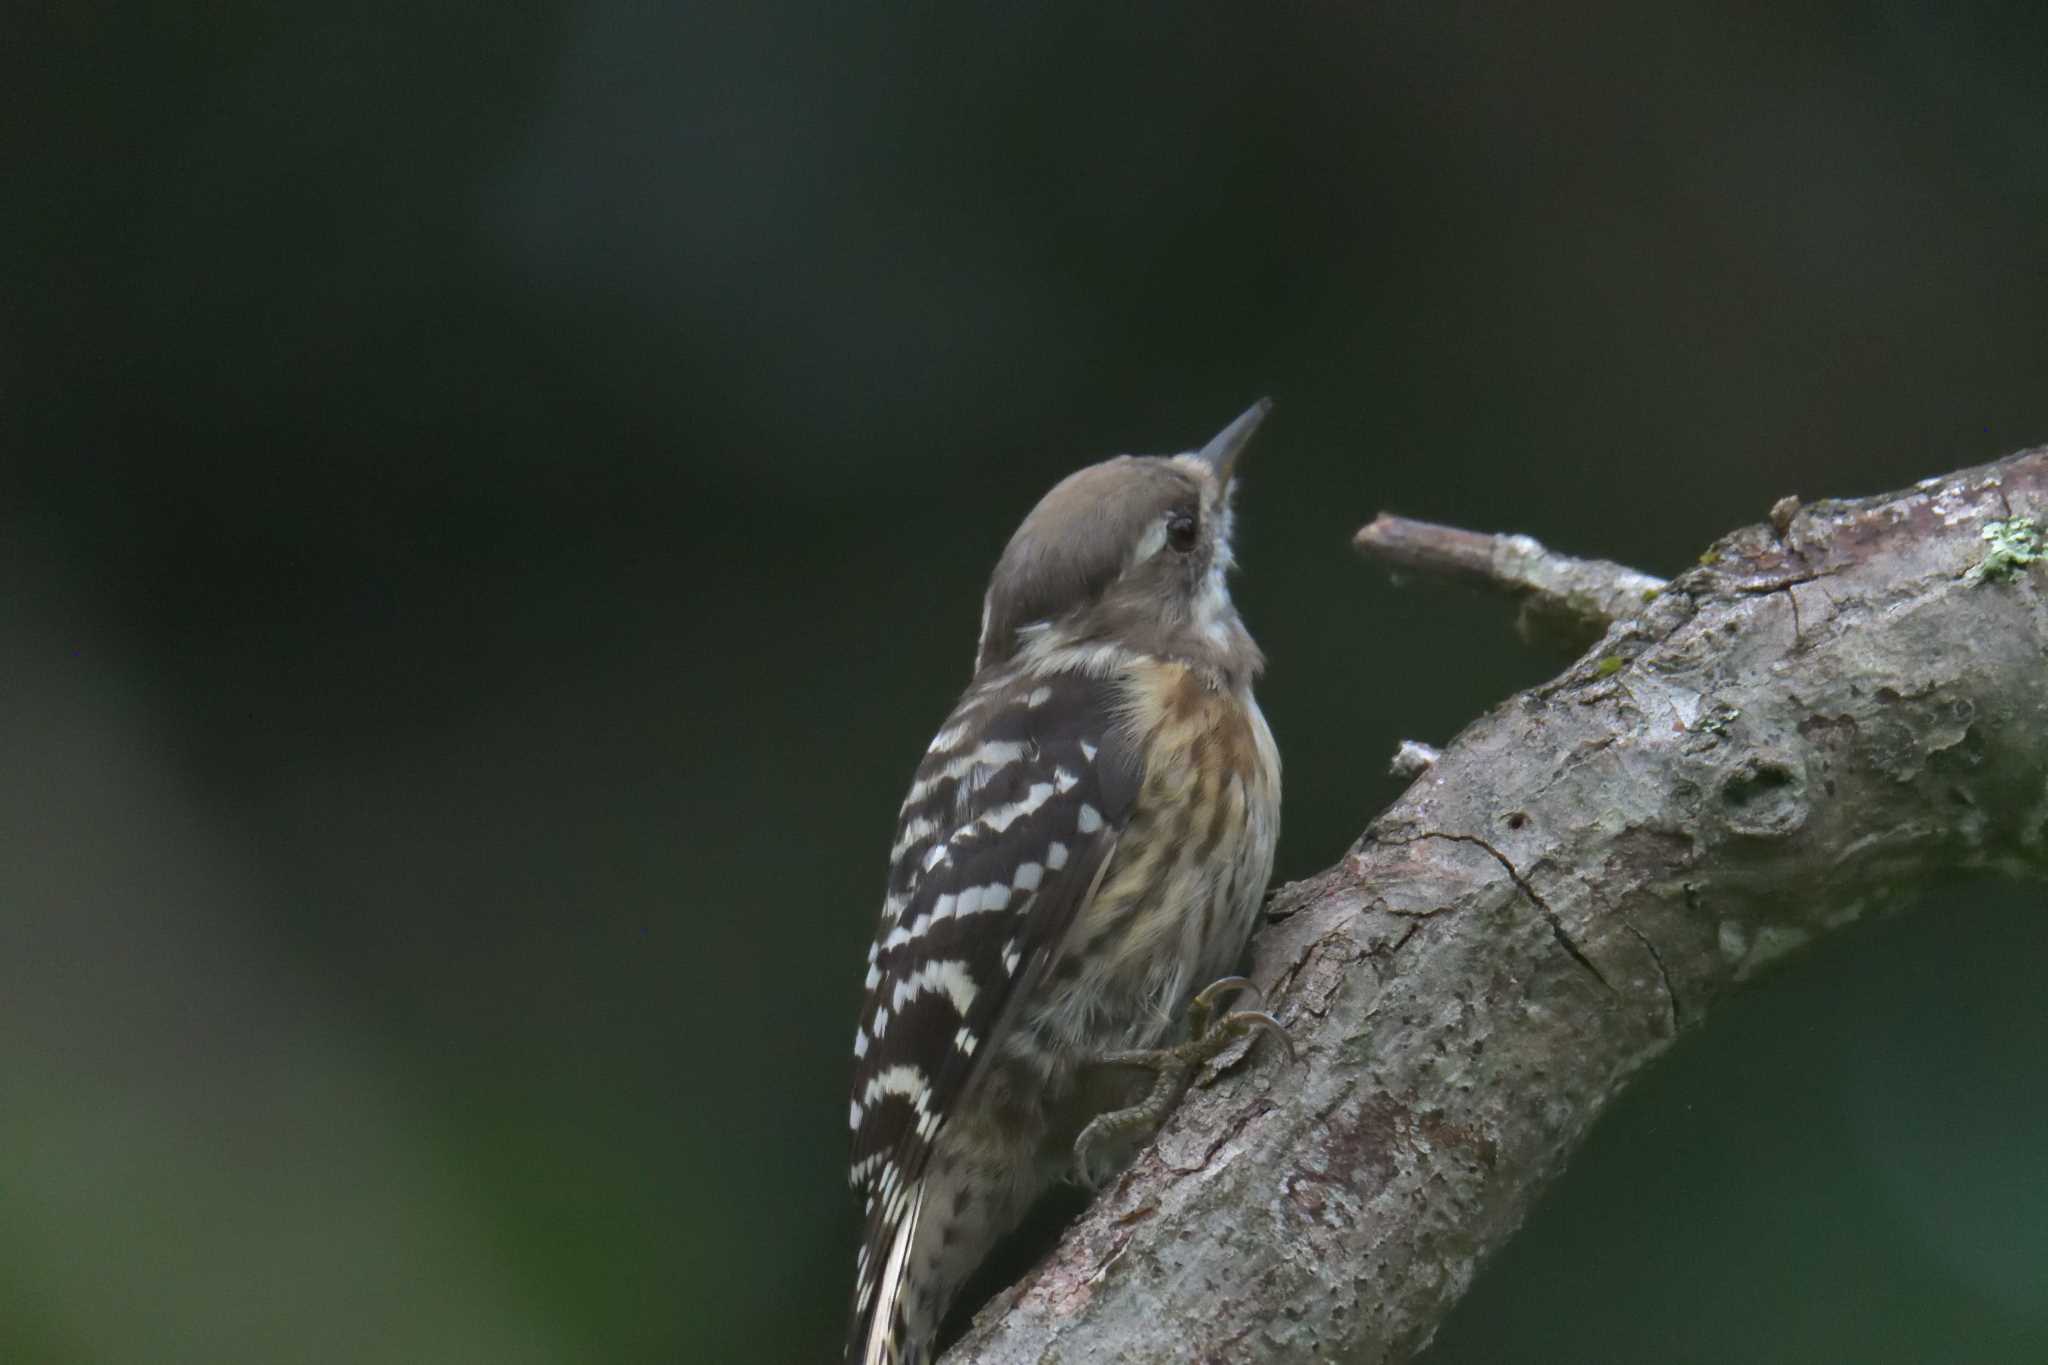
x,y
1173,1069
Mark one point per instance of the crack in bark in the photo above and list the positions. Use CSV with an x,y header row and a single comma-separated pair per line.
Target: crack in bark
x,y
1663,972
1783,583
1417,916
1123,1244
1798,635
1557,929
1237,1126
1284,982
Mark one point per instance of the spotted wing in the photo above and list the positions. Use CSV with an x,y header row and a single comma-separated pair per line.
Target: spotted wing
x,y
1013,811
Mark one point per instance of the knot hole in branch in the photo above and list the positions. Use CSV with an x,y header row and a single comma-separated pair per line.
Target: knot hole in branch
x,y
1764,796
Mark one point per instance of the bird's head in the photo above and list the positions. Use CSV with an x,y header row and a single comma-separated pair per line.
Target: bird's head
x,y
1134,551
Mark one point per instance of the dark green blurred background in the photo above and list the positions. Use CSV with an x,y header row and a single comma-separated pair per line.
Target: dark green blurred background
x,y
496,497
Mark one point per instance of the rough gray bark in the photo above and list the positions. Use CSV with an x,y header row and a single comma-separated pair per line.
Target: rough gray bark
x,y
1820,720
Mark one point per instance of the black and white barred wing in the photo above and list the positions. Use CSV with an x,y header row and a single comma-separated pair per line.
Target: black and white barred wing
x,y
1011,815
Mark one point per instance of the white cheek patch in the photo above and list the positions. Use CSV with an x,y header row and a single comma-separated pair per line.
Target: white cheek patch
x,y
1213,610
1151,543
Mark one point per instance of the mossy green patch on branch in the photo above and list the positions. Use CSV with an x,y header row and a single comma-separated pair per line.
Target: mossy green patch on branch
x,y
2015,543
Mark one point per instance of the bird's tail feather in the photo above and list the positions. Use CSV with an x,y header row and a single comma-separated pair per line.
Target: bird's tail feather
x,y
884,1341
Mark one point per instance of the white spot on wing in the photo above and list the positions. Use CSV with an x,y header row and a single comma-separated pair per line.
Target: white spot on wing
x,y
1090,819
1002,817
994,896
950,978
906,1081
913,832
994,755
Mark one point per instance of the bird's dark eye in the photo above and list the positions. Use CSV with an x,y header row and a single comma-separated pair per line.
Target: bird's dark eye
x,y
1180,531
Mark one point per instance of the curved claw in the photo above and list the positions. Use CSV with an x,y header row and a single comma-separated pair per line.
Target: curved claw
x,y
1245,1021
1084,1165
1205,999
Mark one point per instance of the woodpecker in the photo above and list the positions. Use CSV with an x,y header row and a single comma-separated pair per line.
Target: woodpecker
x,y
1087,839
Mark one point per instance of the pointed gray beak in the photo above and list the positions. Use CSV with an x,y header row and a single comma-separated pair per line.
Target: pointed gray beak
x,y
1222,452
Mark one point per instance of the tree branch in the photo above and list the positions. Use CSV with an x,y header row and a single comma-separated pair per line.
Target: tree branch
x,y
1570,600
1819,721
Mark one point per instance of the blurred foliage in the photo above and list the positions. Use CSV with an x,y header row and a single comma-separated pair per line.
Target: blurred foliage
x,y
495,497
